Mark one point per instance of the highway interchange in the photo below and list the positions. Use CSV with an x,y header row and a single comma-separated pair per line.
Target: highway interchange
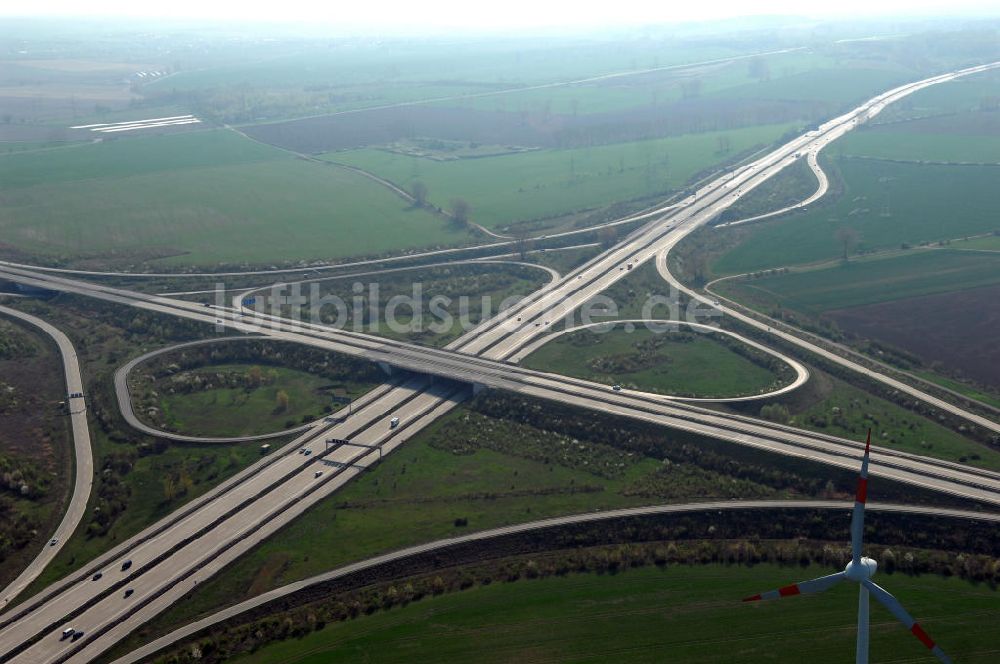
x,y
174,555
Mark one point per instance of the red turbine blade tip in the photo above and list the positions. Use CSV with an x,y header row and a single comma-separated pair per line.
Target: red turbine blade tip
x,y
752,598
919,632
862,494
789,590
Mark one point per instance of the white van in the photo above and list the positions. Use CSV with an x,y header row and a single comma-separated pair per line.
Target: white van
x,y
393,423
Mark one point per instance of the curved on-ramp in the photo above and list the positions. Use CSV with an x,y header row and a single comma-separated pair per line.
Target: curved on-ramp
x,y
84,459
823,185
801,373
124,396
193,628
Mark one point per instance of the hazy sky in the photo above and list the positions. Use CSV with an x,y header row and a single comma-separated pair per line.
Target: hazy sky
x,y
522,13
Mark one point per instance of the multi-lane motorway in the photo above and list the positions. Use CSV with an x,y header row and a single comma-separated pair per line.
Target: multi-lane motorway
x,y
171,557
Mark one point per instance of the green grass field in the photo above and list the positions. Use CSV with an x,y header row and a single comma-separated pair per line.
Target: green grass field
x,y
925,203
133,156
546,183
232,411
860,282
988,243
203,198
976,393
699,367
690,614
916,144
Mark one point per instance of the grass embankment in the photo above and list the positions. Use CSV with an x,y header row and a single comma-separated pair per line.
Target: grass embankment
x,y
691,612
202,198
847,411
253,407
547,183
431,306
475,469
680,363
36,444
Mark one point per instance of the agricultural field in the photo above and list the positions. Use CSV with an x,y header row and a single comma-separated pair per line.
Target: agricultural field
x,y
983,243
953,331
691,612
885,204
935,304
532,185
969,94
858,282
201,198
968,139
678,363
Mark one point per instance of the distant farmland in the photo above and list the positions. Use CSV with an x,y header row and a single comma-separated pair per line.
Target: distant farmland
x,y
202,197
531,185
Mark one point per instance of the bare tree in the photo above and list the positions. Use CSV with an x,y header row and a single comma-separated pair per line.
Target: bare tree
x,y
759,69
608,236
460,211
523,244
419,191
848,238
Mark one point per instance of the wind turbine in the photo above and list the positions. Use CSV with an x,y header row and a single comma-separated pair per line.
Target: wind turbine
x,y
860,570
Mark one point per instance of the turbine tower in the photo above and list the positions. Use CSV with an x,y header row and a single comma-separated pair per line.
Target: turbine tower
x,y
860,570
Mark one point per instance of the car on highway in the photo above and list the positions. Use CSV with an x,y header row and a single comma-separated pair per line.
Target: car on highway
x,y
128,592
307,452
126,565
616,388
96,576
53,541
393,423
66,633
318,473
77,634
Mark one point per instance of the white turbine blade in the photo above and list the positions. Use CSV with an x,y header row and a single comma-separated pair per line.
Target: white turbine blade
x,y
803,588
862,642
891,603
858,516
